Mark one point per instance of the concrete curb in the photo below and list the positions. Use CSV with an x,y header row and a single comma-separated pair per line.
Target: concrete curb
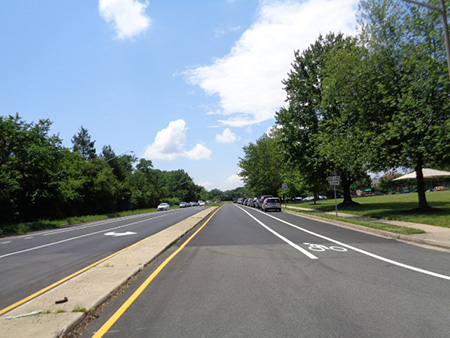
x,y
42,318
376,232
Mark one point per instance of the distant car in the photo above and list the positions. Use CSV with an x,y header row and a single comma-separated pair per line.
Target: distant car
x,y
183,205
163,206
271,203
201,203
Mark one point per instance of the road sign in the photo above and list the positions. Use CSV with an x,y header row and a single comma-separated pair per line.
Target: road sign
x,y
284,186
334,180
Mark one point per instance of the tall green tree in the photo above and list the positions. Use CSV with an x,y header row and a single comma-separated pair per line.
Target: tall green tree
x,y
408,53
83,145
261,166
307,124
30,170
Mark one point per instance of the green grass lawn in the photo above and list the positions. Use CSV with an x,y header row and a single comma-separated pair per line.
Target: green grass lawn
x,y
394,207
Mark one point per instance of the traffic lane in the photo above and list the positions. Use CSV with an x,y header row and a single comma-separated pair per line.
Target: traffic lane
x,y
26,273
225,287
120,225
437,261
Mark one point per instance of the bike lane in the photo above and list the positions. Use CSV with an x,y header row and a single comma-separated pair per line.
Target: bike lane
x,y
320,237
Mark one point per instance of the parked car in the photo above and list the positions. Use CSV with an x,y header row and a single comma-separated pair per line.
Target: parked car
x,y
271,203
261,200
163,206
201,203
183,205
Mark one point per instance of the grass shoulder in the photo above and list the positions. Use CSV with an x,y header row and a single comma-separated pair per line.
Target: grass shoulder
x,y
22,228
397,207
366,223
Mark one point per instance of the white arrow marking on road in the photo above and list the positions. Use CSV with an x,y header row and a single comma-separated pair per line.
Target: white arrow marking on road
x,y
117,234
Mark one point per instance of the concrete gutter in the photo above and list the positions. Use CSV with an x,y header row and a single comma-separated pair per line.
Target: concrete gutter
x,y
41,317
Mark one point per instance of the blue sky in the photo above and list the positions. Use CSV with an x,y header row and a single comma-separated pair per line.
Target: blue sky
x,y
185,84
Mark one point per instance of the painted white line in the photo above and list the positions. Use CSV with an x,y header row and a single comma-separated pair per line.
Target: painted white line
x,y
102,222
7,242
303,251
119,234
387,260
70,239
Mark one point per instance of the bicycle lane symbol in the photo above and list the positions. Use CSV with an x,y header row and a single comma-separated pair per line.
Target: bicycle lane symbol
x,y
322,248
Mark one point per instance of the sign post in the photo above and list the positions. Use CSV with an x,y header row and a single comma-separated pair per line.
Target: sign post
x,y
334,181
285,188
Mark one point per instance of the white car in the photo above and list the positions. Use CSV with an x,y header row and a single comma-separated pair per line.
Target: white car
x,y
201,203
273,203
163,206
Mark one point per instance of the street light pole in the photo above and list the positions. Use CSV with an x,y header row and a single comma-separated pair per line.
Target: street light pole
x,y
443,11
128,151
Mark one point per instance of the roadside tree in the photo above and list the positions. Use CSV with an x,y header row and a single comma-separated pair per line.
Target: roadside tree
x,y
411,83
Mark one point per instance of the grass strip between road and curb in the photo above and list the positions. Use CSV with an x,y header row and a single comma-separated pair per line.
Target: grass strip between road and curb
x,y
366,223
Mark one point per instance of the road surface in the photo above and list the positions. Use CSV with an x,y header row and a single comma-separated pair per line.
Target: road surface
x,y
252,274
34,261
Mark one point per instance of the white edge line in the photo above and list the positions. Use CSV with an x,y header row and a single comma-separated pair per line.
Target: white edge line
x,y
303,251
426,272
71,239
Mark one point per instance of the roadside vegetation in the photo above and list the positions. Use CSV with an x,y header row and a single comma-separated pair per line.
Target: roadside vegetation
x,y
366,223
392,207
373,103
44,184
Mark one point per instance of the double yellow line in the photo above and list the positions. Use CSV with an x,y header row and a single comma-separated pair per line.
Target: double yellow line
x,y
104,329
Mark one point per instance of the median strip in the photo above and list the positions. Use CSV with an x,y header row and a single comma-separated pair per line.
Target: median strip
x,y
89,287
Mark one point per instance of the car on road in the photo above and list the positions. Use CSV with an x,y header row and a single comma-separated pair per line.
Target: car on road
x,y
260,201
183,205
271,203
163,206
201,203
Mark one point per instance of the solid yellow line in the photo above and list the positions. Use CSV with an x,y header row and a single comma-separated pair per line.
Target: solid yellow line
x,y
40,292
104,329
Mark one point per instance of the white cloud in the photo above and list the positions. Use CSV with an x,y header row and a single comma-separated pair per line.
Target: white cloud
x,y
200,152
248,79
206,184
218,32
127,17
235,180
169,145
230,183
226,137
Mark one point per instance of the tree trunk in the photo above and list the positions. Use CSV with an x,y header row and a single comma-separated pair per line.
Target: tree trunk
x,y
346,183
423,205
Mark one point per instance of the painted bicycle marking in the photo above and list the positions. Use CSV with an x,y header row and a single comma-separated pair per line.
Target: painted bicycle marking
x,y
321,248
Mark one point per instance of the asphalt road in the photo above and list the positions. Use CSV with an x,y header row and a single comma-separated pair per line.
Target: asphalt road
x,y
34,261
250,274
